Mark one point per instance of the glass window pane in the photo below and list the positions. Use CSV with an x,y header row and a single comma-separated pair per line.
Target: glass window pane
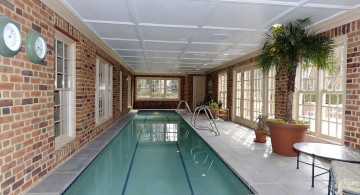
x,y
57,97
59,49
57,113
66,51
66,66
57,128
59,65
59,81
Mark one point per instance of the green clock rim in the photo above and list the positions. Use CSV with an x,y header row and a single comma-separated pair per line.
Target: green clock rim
x,y
30,49
4,50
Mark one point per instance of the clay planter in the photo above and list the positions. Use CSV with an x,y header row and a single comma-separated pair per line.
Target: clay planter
x,y
260,136
284,136
214,112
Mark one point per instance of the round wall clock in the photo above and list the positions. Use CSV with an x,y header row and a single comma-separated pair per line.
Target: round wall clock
x,y
10,36
35,47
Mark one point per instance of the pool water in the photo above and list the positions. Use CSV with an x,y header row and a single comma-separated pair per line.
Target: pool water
x,y
157,153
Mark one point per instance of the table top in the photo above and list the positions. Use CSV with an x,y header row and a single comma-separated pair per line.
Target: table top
x,y
329,151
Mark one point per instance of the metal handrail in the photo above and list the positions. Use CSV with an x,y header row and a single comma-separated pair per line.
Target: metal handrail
x,y
186,105
210,118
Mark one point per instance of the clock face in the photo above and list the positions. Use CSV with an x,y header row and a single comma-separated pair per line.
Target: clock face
x,y
40,46
35,47
12,37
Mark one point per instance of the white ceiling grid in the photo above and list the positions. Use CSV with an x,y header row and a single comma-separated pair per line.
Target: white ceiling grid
x,y
178,36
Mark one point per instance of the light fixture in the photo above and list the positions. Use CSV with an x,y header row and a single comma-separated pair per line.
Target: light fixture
x,y
205,64
226,54
198,69
276,25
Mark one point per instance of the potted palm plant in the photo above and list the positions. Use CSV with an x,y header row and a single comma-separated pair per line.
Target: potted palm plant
x,y
262,129
287,47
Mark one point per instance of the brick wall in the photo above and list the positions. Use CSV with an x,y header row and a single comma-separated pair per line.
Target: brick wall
x,y
27,150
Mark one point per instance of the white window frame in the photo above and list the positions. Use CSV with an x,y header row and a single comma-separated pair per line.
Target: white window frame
x,y
106,106
151,98
319,91
222,89
70,93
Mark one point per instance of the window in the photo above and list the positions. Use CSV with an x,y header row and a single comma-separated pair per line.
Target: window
x,y
103,96
157,88
222,89
64,94
320,97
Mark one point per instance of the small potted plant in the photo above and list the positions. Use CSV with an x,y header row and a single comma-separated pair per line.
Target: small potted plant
x,y
262,129
214,109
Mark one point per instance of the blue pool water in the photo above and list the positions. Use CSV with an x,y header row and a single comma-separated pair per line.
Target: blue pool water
x,y
157,153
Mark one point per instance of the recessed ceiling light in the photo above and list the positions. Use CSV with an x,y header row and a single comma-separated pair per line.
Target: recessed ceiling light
x,y
276,25
226,54
205,64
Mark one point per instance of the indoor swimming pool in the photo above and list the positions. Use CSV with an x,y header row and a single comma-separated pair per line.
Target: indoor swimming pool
x,y
157,153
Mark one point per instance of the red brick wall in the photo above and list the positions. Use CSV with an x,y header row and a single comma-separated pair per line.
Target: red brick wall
x,y
27,150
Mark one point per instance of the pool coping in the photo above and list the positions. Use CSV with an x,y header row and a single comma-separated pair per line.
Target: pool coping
x,y
60,179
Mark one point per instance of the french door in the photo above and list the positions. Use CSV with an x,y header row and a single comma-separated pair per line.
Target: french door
x,y
249,94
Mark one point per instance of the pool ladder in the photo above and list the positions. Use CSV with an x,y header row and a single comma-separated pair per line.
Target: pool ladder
x,y
209,116
197,111
186,106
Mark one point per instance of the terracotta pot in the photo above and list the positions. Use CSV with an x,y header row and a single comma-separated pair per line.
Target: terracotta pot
x,y
284,136
214,112
260,136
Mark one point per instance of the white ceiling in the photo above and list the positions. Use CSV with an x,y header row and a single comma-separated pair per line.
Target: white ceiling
x,y
178,36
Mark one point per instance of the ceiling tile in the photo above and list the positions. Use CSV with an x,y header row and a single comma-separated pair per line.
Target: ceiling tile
x,y
220,36
315,14
134,58
129,53
123,44
166,33
198,55
112,10
106,30
243,15
174,12
163,60
351,3
164,46
197,47
160,54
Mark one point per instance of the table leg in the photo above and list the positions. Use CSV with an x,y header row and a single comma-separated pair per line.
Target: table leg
x,y
313,171
298,155
329,185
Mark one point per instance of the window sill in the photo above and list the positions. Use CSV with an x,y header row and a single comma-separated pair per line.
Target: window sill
x,y
62,140
312,138
157,100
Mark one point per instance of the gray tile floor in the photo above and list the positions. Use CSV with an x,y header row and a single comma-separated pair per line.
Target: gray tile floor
x,y
266,172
